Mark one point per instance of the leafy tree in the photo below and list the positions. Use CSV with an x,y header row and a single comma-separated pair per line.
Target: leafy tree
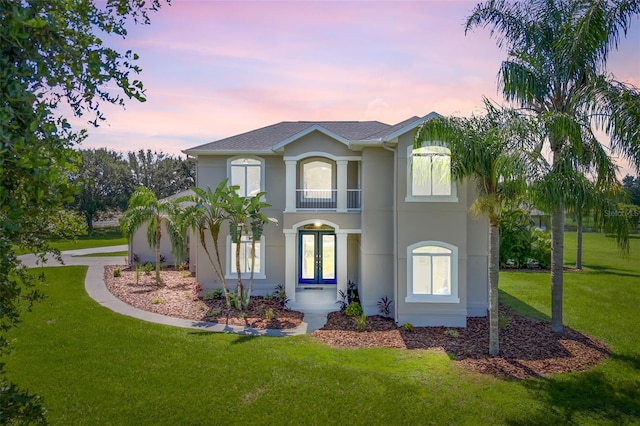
x,y
146,210
556,69
491,150
50,56
163,174
104,181
631,186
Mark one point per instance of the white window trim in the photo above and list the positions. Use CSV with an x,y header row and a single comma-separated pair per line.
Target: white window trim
x,y
245,275
250,157
410,198
433,298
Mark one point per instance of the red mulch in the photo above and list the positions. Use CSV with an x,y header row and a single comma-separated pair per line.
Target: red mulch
x,y
528,347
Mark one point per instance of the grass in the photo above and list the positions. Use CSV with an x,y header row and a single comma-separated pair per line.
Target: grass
x,y
100,237
93,366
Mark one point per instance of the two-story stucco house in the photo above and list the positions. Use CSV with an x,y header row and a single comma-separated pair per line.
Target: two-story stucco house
x,y
354,202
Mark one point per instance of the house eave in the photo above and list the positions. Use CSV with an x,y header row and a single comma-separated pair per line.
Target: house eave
x,y
226,152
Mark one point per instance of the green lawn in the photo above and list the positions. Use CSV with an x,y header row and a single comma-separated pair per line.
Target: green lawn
x,y
101,237
93,366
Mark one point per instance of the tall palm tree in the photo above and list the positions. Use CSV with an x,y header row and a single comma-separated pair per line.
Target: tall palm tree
x,y
585,198
491,150
145,209
556,69
206,212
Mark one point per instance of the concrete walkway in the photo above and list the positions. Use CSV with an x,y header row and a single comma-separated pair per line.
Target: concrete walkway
x,y
95,286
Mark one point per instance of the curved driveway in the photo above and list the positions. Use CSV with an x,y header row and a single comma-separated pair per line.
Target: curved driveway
x,y
95,286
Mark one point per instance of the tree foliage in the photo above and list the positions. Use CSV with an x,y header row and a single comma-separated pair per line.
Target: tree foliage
x,y
145,209
208,210
631,186
106,179
163,174
51,60
556,69
104,182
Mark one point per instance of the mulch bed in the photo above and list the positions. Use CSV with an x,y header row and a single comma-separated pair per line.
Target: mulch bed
x,y
528,347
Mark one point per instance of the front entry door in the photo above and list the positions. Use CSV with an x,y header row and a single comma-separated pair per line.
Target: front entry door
x,y
317,257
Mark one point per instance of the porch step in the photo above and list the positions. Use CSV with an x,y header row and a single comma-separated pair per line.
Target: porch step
x,y
315,299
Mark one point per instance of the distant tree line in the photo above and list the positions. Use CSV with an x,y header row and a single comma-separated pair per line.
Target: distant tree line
x,y
631,186
106,179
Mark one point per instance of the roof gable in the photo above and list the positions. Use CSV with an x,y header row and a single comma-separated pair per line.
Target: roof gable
x,y
276,136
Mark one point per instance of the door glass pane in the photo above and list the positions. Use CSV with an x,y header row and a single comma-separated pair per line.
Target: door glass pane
x,y
328,257
308,256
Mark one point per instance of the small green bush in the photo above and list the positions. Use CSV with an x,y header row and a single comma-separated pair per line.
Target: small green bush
x,y
217,293
452,333
503,321
117,272
148,267
213,313
270,315
353,309
407,326
361,322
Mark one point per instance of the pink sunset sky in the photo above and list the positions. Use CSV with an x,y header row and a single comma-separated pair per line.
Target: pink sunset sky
x,y
213,69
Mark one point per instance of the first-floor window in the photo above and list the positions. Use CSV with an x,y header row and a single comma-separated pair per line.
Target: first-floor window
x,y
248,256
432,272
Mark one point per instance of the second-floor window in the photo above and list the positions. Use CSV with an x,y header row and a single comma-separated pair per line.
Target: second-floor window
x,y
317,179
246,173
429,174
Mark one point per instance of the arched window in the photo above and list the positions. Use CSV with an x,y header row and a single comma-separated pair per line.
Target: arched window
x,y
429,174
248,174
432,272
317,179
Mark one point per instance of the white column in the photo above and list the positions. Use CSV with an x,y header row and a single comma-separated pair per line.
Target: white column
x,y
342,185
290,185
290,264
341,255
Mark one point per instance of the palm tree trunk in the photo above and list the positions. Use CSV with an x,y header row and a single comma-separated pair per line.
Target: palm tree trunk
x,y
557,258
240,298
494,270
253,264
223,282
158,236
579,241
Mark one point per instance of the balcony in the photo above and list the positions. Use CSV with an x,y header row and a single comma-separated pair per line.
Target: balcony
x,y
326,199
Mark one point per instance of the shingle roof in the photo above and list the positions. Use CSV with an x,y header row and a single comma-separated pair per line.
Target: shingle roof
x,y
265,138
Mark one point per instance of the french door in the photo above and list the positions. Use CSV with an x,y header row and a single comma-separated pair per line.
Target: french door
x,y
317,257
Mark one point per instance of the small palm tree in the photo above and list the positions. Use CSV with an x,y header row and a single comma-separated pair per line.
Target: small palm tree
x,y
491,150
206,212
145,209
256,222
